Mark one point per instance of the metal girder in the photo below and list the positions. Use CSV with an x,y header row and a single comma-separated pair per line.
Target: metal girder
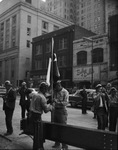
x,y
80,137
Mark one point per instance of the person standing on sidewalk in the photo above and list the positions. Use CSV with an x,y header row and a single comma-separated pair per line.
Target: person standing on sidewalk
x,y
83,93
113,109
8,106
101,107
24,99
37,106
61,97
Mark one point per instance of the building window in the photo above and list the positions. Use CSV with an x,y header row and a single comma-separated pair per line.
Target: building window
x,y
82,58
28,43
62,61
62,43
7,35
55,28
45,25
97,55
38,64
13,33
14,20
28,19
28,31
39,49
2,26
1,35
28,1
48,46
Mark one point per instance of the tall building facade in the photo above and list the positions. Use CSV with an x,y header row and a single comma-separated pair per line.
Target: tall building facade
x,y
90,14
63,8
20,21
94,14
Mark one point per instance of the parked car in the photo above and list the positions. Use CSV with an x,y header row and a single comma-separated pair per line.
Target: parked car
x,y
76,99
2,91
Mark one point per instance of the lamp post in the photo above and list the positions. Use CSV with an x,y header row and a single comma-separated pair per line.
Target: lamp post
x,y
90,40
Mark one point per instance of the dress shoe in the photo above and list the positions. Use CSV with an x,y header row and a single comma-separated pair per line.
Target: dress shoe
x,y
8,133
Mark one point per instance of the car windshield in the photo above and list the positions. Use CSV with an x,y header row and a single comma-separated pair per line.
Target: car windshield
x,y
89,92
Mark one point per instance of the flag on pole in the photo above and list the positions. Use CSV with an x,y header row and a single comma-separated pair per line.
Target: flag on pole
x,y
56,74
48,72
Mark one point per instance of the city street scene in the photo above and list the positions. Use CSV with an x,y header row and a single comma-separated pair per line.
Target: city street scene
x,y
59,74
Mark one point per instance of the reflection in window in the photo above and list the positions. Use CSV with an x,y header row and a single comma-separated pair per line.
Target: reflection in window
x,y
48,46
81,57
28,31
38,64
28,43
28,19
62,43
97,55
45,25
62,61
38,49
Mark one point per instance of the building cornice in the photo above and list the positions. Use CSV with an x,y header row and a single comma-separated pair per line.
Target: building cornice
x,y
51,15
92,37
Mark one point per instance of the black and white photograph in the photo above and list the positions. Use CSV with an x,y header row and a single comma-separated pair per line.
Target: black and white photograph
x,y
58,74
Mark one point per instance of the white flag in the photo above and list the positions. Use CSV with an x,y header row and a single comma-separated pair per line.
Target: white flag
x,y
48,72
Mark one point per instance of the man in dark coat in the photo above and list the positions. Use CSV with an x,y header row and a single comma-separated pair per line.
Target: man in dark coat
x,y
83,93
24,99
8,106
101,107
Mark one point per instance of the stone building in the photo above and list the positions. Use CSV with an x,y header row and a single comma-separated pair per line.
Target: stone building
x,y
20,21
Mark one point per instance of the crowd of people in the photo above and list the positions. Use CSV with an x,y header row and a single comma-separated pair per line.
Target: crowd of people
x,y
105,105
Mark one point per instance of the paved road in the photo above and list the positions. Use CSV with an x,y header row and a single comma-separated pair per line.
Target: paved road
x,y
24,142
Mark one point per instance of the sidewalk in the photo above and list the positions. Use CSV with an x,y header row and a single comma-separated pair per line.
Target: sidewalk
x,y
16,141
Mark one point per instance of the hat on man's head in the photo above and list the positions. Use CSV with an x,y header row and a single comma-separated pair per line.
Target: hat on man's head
x,y
23,83
98,86
7,83
43,85
113,89
108,84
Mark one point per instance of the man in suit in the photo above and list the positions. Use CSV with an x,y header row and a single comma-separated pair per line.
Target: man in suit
x,y
101,107
9,105
83,93
24,99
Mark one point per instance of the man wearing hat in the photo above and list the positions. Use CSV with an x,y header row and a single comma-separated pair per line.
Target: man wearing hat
x,y
24,99
8,106
39,105
100,107
61,97
113,109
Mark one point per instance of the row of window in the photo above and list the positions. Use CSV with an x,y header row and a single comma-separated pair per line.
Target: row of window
x,y
97,56
39,62
8,32
61,45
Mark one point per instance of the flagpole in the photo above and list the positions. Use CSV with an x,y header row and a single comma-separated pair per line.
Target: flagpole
x,y
52,76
